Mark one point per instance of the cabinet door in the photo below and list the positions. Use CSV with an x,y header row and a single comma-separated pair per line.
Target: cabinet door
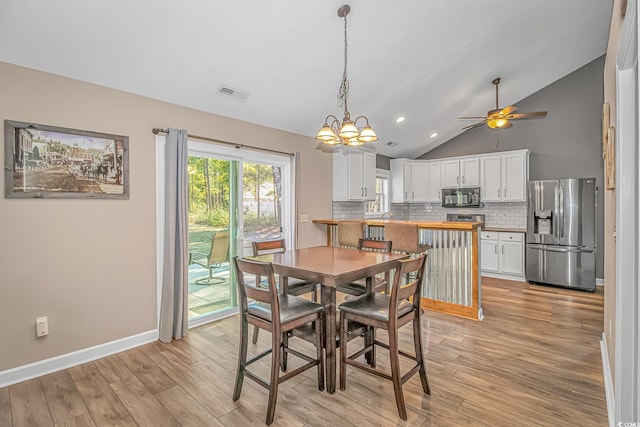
x,y
397,178
490,187
369,175
514,179
450,173
434,180
512,258
406,191
419,182
489,255
355,189
470,172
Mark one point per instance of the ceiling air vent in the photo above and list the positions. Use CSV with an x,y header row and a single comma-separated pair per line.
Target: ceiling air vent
x,y
391,144
232,93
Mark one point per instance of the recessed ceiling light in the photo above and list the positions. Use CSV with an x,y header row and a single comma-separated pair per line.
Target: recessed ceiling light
x,y
400,119
433,135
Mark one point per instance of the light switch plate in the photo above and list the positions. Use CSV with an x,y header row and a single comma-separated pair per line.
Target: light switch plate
x,y
304,218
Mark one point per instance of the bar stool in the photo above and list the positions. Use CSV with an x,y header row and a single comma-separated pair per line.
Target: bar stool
x,y
359,287
405,238
388,312
278,314
350,232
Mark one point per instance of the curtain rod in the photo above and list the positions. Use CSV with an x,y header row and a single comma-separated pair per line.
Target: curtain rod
x,y
156,131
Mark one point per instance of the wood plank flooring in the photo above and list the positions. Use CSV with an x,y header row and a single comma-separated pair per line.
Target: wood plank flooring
x,y
533,361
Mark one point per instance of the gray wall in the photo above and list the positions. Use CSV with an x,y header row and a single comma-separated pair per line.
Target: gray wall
x,y
565,144
382,162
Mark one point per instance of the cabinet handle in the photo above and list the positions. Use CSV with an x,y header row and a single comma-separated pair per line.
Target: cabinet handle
x,y
463,179
498,193
413,196
438,194
366,191
505,192
496,248
405,195
362,191
503,250
457,180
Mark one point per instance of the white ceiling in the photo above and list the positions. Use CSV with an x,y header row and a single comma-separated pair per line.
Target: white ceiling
x,y
430,61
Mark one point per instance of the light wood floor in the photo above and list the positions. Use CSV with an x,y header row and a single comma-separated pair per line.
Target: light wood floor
x,y
533,361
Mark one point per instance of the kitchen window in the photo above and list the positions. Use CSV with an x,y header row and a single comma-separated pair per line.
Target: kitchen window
x,y
381,204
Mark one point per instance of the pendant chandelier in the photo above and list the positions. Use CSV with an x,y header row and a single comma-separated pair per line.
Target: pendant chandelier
x,y
333,131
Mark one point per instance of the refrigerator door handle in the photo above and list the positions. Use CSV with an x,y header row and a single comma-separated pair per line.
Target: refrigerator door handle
x,y
561,248
561,210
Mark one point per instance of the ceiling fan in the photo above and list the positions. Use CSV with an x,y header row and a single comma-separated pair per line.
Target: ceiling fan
x,y
500,118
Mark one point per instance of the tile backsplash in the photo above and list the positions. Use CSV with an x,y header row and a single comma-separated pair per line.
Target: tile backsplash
x,y
499,215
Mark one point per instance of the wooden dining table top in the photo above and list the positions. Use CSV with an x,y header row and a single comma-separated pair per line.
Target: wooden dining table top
x,y
330,266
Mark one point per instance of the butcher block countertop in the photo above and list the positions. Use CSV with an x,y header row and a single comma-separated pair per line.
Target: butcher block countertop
x,y
435,225
505,230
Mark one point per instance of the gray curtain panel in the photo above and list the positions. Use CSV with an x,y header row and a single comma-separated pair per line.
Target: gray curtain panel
x,y
173,309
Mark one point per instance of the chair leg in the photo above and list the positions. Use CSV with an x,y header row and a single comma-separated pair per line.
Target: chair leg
x,y
242,356
283,354
319,350
343,352
314,295
275,374
254,339
396,377
417,340
372,357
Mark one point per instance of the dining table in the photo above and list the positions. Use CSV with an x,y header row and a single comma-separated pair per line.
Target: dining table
x,y
330,267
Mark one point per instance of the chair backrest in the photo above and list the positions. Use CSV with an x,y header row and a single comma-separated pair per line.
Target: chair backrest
x,y
405,237
219,251
247,291
268,247
375,245
349,232
411,289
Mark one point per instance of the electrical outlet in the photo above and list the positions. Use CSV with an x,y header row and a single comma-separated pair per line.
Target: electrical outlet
x,y
304,218
42,326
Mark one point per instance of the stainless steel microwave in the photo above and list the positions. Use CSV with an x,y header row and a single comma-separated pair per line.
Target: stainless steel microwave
x,y
461,197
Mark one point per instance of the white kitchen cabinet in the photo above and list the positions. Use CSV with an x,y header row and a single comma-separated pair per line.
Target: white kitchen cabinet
x,y
504,177
461,172
434,182
409,181
502,252
354,175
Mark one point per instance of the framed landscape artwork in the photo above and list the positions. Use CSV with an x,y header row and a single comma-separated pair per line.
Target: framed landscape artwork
x,y
54,162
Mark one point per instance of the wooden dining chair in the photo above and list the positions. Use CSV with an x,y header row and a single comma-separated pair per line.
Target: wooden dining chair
x,y
295,286
389,312
359,287
278,314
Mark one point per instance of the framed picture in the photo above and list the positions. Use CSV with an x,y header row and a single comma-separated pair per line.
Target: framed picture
x,y
54,162
610,160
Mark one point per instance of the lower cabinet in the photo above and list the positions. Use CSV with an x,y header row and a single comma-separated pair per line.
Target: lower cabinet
x,y
502,253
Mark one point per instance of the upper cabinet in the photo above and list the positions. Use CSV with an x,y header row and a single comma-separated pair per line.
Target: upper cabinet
x,y
354,175
434,182
461,172
505,176
409,181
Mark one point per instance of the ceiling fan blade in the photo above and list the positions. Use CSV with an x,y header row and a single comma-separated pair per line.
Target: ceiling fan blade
x,y
532,115
472,118
508,110
474,125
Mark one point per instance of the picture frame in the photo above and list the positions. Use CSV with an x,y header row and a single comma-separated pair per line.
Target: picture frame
x,y
610,160
43,161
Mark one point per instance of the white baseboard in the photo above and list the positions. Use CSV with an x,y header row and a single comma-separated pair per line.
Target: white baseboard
x,y
64,361
504,276
608,382
599,282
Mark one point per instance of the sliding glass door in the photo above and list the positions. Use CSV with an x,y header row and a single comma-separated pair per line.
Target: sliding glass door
x,y
235,198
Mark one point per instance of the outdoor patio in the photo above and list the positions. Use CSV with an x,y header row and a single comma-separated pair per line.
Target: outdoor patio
x,y
204,299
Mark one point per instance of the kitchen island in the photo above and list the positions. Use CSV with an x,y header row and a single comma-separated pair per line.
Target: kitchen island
x,y
452,275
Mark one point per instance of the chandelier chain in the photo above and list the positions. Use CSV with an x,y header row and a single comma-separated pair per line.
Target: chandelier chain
x,y
343,92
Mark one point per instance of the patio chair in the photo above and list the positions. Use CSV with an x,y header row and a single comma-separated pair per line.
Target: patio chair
x,y
218,254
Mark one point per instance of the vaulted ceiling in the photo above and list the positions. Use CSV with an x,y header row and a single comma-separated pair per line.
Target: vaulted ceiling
x,y
429,61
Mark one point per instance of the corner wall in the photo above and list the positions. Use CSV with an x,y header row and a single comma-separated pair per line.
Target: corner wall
x,y
565,144
90,264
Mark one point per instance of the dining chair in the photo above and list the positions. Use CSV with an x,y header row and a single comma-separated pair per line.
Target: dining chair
x,y
278,314
389,312
359,287
295,286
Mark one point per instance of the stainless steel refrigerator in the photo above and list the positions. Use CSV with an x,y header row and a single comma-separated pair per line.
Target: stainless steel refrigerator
x,y
561,233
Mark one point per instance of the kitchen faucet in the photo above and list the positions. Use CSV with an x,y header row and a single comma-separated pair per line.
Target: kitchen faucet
x,y
391,215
